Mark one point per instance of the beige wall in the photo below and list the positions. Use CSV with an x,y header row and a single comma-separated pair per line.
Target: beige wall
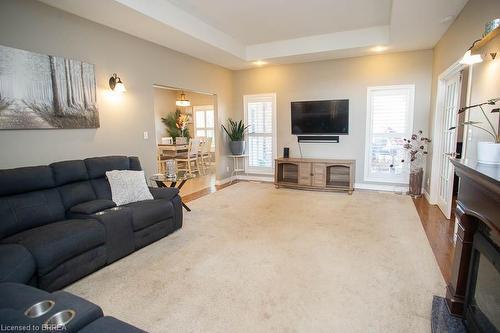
x,y
33,26
338,79
468,27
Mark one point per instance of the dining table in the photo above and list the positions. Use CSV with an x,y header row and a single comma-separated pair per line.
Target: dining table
x,y
172,149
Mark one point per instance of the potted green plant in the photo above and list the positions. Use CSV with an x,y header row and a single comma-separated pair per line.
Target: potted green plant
x,y
488,152
236,132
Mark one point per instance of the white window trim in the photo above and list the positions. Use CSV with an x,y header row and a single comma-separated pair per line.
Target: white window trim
x,y
403,178
255,170
204,108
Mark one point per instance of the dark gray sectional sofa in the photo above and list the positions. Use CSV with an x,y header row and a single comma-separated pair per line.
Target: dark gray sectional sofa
x,y
59,224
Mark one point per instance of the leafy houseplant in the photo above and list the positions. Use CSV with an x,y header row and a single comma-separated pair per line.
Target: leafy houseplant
x,y
487,152
236,132
176,124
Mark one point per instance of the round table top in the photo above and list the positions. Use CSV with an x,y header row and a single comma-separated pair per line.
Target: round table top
x,y
179,176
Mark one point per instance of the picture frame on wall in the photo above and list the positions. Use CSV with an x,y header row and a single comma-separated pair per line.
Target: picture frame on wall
x,y
40,91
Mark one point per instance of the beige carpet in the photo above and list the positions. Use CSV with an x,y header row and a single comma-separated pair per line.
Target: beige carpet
x,y
251,258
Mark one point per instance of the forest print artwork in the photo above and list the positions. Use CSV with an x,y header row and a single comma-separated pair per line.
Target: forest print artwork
x,y
40,91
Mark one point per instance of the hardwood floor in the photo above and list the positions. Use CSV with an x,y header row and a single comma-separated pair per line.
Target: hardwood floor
x,y
439,231
207,190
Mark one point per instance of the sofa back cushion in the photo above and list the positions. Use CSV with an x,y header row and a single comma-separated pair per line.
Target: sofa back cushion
x,y
73,182
97,167
28,199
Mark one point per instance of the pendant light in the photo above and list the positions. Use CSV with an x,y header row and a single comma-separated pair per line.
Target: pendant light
x,y
183,101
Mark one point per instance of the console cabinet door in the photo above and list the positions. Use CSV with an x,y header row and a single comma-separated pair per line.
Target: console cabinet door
x,y
305,174
319,175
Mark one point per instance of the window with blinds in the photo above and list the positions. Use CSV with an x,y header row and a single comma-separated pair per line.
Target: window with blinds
x,y
389,120
204,122
260,117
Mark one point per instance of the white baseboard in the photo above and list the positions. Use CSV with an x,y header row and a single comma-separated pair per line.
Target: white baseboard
x,y
256,178
224,181
427,196
379,187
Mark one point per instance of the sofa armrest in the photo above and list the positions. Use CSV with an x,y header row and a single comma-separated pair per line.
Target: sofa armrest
x,y
91,207
16,263
167,193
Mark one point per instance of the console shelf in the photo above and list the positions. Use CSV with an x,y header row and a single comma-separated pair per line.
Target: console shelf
x,y
315,174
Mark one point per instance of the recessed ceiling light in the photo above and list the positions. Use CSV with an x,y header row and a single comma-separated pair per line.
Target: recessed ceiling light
x,y
259,63
447,19
379,48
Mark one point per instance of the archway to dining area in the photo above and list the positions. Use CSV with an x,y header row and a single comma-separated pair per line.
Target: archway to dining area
x,y
186,135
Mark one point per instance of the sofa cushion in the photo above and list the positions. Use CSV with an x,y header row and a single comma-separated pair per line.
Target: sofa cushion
x,y
28,179
97,166
91,207
128,186
29,210
55,243
67,172
16,263
149,212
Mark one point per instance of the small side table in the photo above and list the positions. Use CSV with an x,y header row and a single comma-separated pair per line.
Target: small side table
x,y
236,165
180,177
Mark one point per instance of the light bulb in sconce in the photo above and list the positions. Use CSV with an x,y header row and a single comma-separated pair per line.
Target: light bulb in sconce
x,y
116,84
470,59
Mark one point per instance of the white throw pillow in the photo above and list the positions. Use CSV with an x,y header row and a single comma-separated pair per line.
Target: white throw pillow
x,y
128,186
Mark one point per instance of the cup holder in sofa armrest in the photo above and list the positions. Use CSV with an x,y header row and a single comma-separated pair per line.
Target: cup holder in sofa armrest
x,y
91,207
61,319
39,309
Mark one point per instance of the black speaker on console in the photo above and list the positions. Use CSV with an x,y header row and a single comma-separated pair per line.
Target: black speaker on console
x,y
286,152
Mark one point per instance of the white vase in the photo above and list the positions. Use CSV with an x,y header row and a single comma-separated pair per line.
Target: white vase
x,y
488,152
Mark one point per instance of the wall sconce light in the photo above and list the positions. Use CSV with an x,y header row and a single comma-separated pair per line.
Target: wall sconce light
x,y
183,101
116,84
469,58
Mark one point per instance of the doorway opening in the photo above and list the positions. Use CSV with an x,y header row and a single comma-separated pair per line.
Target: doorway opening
x,y
186,134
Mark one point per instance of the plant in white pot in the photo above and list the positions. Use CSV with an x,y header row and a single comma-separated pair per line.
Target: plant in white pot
x,y
488,152
236,133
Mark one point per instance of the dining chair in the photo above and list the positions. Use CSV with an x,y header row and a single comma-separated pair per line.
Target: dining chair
x,y
181,140
167,140
206,154
161,160
185,161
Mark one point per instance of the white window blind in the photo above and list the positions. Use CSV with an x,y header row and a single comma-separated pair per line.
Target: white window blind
x,y
259,116
389,121
204,122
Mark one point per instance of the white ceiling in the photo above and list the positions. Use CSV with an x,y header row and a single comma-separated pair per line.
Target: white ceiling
x,y
261,21
233,34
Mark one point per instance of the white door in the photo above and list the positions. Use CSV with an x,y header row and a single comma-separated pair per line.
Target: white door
x,y
448,142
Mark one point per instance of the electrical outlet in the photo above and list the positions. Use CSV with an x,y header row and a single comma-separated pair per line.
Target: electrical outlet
x,y
227,168
428,181
146,135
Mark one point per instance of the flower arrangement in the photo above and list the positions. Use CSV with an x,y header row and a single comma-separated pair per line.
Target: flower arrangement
x,y
182,122
416,151
176,124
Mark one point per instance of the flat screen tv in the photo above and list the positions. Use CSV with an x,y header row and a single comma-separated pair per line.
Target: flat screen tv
x,y
320,117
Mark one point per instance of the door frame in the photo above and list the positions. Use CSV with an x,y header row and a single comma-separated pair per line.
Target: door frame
x,y
454,69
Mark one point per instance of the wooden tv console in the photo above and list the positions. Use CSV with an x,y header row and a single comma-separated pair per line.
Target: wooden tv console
x,y
315,174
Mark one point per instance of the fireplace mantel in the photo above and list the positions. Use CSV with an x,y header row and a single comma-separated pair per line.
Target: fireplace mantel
x,y
478,207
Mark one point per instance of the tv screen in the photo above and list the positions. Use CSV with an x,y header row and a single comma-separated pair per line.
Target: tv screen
x,y
321,117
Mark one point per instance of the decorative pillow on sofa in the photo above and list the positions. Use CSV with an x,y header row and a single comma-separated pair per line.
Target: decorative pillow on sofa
x,y
128,186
